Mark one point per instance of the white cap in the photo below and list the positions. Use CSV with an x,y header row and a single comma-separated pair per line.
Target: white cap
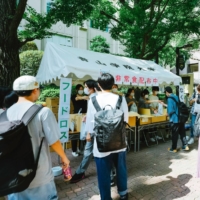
x,y
25,83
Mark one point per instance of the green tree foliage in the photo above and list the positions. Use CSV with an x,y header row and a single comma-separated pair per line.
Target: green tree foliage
x,y
145,27
30,62
29,46
37,27
99,44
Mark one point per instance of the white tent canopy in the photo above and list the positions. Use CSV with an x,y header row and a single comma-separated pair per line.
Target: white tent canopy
x,y
61,61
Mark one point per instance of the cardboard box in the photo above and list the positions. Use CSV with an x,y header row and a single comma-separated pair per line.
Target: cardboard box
x,y
52,101
56,116
54,109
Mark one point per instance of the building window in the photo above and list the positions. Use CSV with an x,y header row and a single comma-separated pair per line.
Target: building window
x,y
94,25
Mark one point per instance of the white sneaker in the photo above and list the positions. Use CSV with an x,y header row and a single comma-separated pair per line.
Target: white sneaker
x,y
191,141
74,154
159,138
187,137
152,139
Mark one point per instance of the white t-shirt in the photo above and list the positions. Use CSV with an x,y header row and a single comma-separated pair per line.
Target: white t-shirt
x,y
103,99
42,125
155,104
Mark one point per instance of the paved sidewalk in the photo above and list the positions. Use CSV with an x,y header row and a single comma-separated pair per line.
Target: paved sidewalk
x,y
153,173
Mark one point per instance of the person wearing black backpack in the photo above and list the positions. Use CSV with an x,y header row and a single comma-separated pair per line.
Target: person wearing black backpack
x,y
177,127
107,116
44,132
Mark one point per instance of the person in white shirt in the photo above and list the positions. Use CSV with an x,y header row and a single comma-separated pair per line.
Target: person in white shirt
x,y
90,90
105,160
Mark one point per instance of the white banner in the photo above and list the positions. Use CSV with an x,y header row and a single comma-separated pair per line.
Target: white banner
x,y
181,93
64,108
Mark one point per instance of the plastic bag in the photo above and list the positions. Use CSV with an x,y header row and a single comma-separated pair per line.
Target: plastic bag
x,y
83,132
134,108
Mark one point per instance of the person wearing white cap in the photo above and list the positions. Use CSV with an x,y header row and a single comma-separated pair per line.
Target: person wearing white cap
x,y
42,125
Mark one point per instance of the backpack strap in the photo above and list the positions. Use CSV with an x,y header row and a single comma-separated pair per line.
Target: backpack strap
x,y
95,103
3,116
30,113
118,105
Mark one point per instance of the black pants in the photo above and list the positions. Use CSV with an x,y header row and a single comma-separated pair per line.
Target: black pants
x,y
75,145
178,129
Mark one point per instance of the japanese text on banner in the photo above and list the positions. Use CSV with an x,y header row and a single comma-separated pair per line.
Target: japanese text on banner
x,y
64,108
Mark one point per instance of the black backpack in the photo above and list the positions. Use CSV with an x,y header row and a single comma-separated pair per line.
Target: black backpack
x,y
109,127
183,110
16,153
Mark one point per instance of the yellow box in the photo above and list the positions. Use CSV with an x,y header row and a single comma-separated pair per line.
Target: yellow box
x,y
56,116
132,121
54,109
144,111
145,120
164,111
158,118
52,101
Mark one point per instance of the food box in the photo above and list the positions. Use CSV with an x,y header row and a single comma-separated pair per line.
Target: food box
x,y
144,111
132,121
52,101
145,119
158,118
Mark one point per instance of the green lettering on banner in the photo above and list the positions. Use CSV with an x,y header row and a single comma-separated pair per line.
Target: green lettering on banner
x,y
67,85
64,110
63,123
65,97
63,135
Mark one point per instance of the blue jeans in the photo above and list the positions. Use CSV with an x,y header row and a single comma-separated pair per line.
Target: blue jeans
x,y
87,156
192,124
104,167
43,192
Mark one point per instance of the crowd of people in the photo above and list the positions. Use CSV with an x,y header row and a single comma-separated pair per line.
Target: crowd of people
x,y
25,93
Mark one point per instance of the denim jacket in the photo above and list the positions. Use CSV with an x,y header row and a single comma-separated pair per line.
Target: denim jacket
x,y
172,109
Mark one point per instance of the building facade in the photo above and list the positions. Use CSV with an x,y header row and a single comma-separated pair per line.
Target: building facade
x,y
73,36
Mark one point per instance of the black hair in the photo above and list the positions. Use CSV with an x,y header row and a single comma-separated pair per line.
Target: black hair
x,y
155,88
106,81
23,93
3,92
115,85
129,92
10,99
92,84
78,86
144,92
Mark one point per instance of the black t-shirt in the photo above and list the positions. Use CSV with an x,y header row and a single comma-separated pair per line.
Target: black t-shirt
x,y
79,104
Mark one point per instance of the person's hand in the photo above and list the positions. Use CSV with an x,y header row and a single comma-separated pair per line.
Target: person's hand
x,y
193,100
155,111
65,162
88,137
84,119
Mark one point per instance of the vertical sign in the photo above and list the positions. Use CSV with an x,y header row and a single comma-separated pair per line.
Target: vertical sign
x,y
64,108
181,93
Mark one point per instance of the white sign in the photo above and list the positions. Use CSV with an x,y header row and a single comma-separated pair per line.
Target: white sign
x,y
181,93
64,108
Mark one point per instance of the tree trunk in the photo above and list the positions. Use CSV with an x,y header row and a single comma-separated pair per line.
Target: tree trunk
x,y
9,65
9,43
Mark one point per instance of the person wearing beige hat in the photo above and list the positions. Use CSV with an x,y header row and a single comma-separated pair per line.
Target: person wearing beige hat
x,y
42,125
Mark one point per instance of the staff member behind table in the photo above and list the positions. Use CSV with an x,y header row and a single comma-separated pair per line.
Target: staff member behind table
x,y
79,101
144,101
130,98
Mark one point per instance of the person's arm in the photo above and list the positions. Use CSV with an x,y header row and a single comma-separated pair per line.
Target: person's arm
x,y
57,147
170,108
78,98
124,108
